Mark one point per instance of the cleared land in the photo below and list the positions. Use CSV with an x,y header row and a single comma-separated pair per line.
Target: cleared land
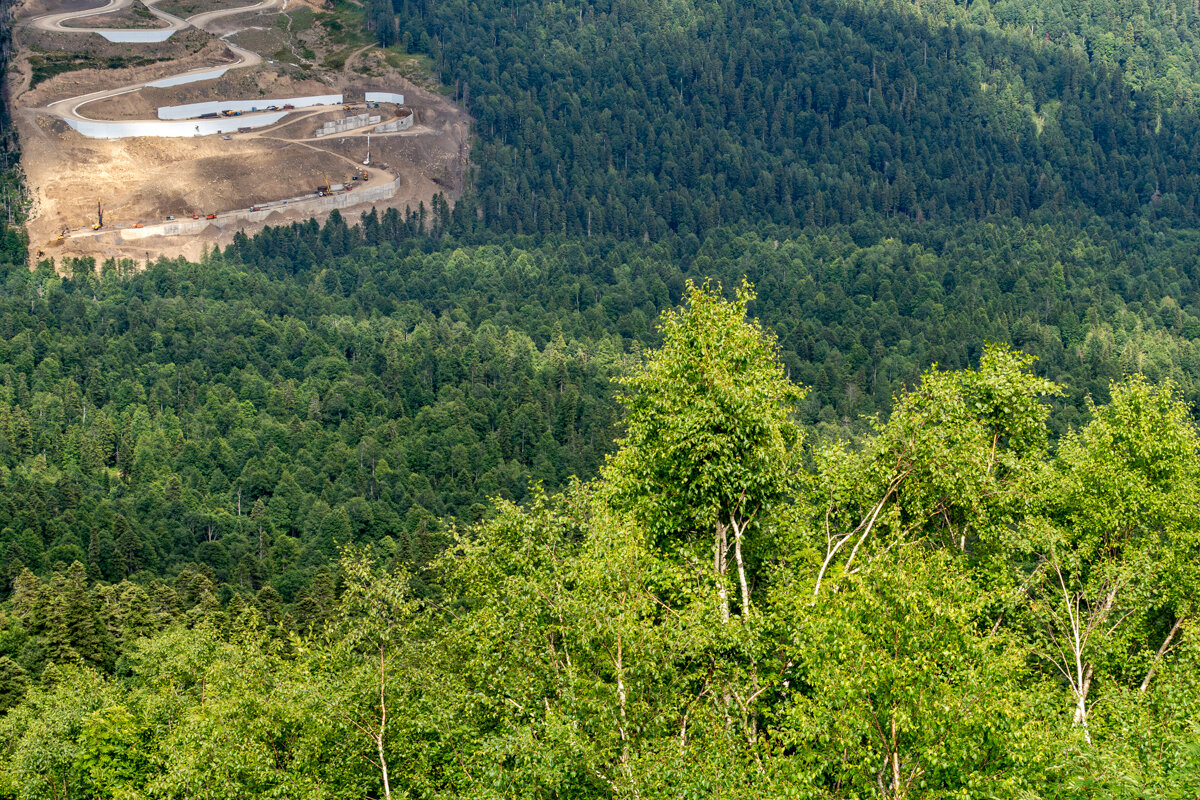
x,y
135,16
144,180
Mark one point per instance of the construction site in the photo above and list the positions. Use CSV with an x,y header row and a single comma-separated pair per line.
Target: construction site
x,y
163,128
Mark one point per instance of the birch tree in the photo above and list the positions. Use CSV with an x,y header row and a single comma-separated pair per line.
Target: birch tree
x,y
710,445
372,659
944,468
1111,584
895,690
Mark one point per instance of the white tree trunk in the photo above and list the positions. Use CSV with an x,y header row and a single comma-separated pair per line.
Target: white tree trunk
x,y
721,565
1158,656
738,530
387,787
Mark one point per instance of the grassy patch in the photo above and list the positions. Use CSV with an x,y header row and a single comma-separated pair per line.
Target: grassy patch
x,y
46,65
301,19
337,59
416,67
188,8
137,16
344,24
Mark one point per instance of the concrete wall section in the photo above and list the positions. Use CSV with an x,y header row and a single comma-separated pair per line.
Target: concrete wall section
x,y
136,36
194,77
370,194
395,125
193,110
346,124
384,97
96,129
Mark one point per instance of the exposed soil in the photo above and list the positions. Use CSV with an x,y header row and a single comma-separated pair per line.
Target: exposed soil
x,y
136,16
37,8
146,179
183,51
186,8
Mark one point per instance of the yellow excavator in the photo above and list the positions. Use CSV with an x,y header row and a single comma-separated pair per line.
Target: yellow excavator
x,y
99,223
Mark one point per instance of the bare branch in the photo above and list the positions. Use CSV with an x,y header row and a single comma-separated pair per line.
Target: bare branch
x,y
868,522
1162,651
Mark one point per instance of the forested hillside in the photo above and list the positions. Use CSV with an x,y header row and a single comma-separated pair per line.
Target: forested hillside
x,y
1153,44
799,402
640,117
310,388
948,609
12,194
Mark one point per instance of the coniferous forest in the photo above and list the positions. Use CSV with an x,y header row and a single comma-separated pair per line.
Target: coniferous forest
x,y
800,401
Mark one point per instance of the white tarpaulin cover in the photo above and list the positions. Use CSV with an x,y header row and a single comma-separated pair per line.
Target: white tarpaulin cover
x,y
137,36
97,129
385,97
193,110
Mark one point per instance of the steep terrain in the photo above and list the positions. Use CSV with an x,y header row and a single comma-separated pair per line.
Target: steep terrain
x,y
64,77
896,493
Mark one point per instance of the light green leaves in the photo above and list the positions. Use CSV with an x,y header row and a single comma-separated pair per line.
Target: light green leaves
x,y
944,468
709,425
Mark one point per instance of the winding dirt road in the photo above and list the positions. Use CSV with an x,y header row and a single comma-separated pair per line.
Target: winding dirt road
x,y
69,109
54,22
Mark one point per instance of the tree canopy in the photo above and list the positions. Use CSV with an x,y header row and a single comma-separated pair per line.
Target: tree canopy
x,y
1004,618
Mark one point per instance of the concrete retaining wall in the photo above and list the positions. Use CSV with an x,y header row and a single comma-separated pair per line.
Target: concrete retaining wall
x,y
346,124
384,97
193,110
396,125
367,194
193,78
100,129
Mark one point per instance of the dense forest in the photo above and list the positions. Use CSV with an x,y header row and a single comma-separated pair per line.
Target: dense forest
x,y
799,401
1153,44
808,112
946,609
319,386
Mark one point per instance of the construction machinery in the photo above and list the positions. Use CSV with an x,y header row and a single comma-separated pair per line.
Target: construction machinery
x,y
367,160
99,223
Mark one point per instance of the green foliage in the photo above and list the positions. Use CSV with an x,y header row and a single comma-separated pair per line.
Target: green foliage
x,y
13,681
140,437
973,579
46,753
1148,43
946,469
643,118
709,428
903,693
558,651
1109,557
344,426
